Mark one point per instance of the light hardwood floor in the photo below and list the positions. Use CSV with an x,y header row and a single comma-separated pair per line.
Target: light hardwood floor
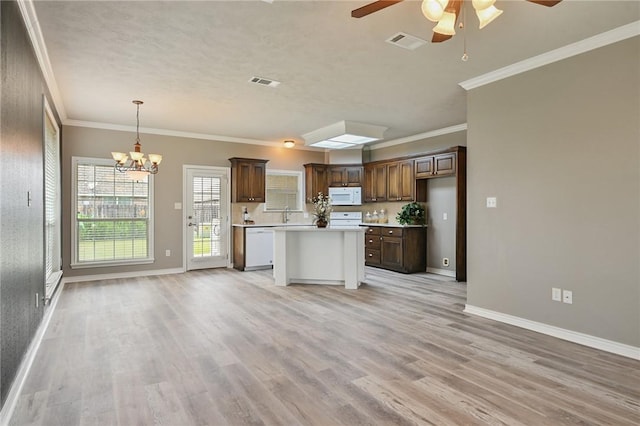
x,y
223,347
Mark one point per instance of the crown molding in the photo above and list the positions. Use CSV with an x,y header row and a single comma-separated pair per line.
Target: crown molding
x,y
430,134
37,40
609,37
180,134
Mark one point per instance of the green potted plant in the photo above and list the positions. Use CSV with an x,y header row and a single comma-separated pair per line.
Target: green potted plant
x,y
411,214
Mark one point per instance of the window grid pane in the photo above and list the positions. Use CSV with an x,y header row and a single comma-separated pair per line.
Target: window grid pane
x,y
206,214
282,191
112,215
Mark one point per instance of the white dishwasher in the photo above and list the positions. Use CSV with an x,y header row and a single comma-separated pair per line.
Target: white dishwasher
x,y
258,248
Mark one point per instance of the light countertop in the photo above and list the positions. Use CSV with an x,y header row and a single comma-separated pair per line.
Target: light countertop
x,y
315,228
393,225
269,225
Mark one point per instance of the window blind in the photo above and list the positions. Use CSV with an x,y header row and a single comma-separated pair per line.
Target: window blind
x,y
112,214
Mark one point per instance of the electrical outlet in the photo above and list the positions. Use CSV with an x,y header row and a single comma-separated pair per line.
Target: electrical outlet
x,y
492,202
445,261
167,253
567,296
556,294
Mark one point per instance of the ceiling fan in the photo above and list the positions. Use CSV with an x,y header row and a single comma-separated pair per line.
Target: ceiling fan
x,y
446,13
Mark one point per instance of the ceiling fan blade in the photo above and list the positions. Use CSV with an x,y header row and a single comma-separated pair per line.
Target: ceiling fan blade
x,y
547,3
439,38
372,7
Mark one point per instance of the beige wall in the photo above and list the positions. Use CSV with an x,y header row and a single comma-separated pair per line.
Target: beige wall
x,y
559,148
417,147
176,151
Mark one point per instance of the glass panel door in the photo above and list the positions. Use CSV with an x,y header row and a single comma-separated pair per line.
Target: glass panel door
x,y
206,227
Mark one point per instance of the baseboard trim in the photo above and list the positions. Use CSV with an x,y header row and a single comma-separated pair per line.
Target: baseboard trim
x,y
561,333
444,272
27,361
134,274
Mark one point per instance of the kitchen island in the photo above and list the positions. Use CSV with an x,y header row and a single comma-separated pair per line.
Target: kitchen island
x,y
310,255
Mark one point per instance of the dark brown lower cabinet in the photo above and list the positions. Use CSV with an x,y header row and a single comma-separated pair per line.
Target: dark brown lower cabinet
x,y
400,249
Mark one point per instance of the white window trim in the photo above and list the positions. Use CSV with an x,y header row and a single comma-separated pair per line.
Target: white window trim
x,y
300,188
52,281
74,261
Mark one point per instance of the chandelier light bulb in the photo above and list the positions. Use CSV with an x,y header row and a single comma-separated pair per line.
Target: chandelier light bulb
x,y
155,158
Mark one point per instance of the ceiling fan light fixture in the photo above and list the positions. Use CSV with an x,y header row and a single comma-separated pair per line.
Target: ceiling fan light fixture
x,y
434,9
482,4
446,25
486,16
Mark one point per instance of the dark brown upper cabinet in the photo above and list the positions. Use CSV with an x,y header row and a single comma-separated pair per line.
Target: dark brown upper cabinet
x,y
375,182
350,175
248,180
316,180
435,165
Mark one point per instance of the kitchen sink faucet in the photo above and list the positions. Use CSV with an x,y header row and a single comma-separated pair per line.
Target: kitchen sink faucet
x,y
285,215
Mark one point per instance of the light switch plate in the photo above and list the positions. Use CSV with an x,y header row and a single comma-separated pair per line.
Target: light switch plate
x,y
492,202
177,206
556,294
444,216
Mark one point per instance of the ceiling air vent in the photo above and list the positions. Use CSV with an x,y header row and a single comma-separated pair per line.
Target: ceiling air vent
x,y
406,41
264,81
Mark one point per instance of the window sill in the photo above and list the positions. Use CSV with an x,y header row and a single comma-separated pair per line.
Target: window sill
x,y
86,265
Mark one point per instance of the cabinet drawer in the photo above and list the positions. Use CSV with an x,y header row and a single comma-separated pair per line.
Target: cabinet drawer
x,y
372,256
372,242
373,230
391,232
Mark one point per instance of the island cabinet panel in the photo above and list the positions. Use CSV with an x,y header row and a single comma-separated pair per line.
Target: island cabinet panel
x,y
435,165
401,181
350,175
400,249
248,180
375,183
316,180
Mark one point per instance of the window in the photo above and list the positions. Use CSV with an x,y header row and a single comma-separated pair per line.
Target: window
x,y
283,189
113,220
51,202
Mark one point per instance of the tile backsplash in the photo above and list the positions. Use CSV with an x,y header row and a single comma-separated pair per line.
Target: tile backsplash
x,y
257,213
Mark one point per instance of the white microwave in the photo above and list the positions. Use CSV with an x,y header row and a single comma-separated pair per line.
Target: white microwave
x,y
346,196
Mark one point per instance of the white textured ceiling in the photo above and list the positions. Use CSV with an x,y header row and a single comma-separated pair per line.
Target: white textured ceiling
x,y
190,62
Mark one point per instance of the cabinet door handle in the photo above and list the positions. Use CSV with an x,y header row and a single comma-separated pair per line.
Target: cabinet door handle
x,y
370,255
390,232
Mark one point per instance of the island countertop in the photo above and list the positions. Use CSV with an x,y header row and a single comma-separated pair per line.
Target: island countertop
x,y
393,225
315,228
269,225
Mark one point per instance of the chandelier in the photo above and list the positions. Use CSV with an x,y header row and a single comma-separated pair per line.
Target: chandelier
x,y
135,165
445,12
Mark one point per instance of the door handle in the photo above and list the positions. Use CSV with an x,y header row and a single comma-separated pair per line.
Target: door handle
x,y
192,224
